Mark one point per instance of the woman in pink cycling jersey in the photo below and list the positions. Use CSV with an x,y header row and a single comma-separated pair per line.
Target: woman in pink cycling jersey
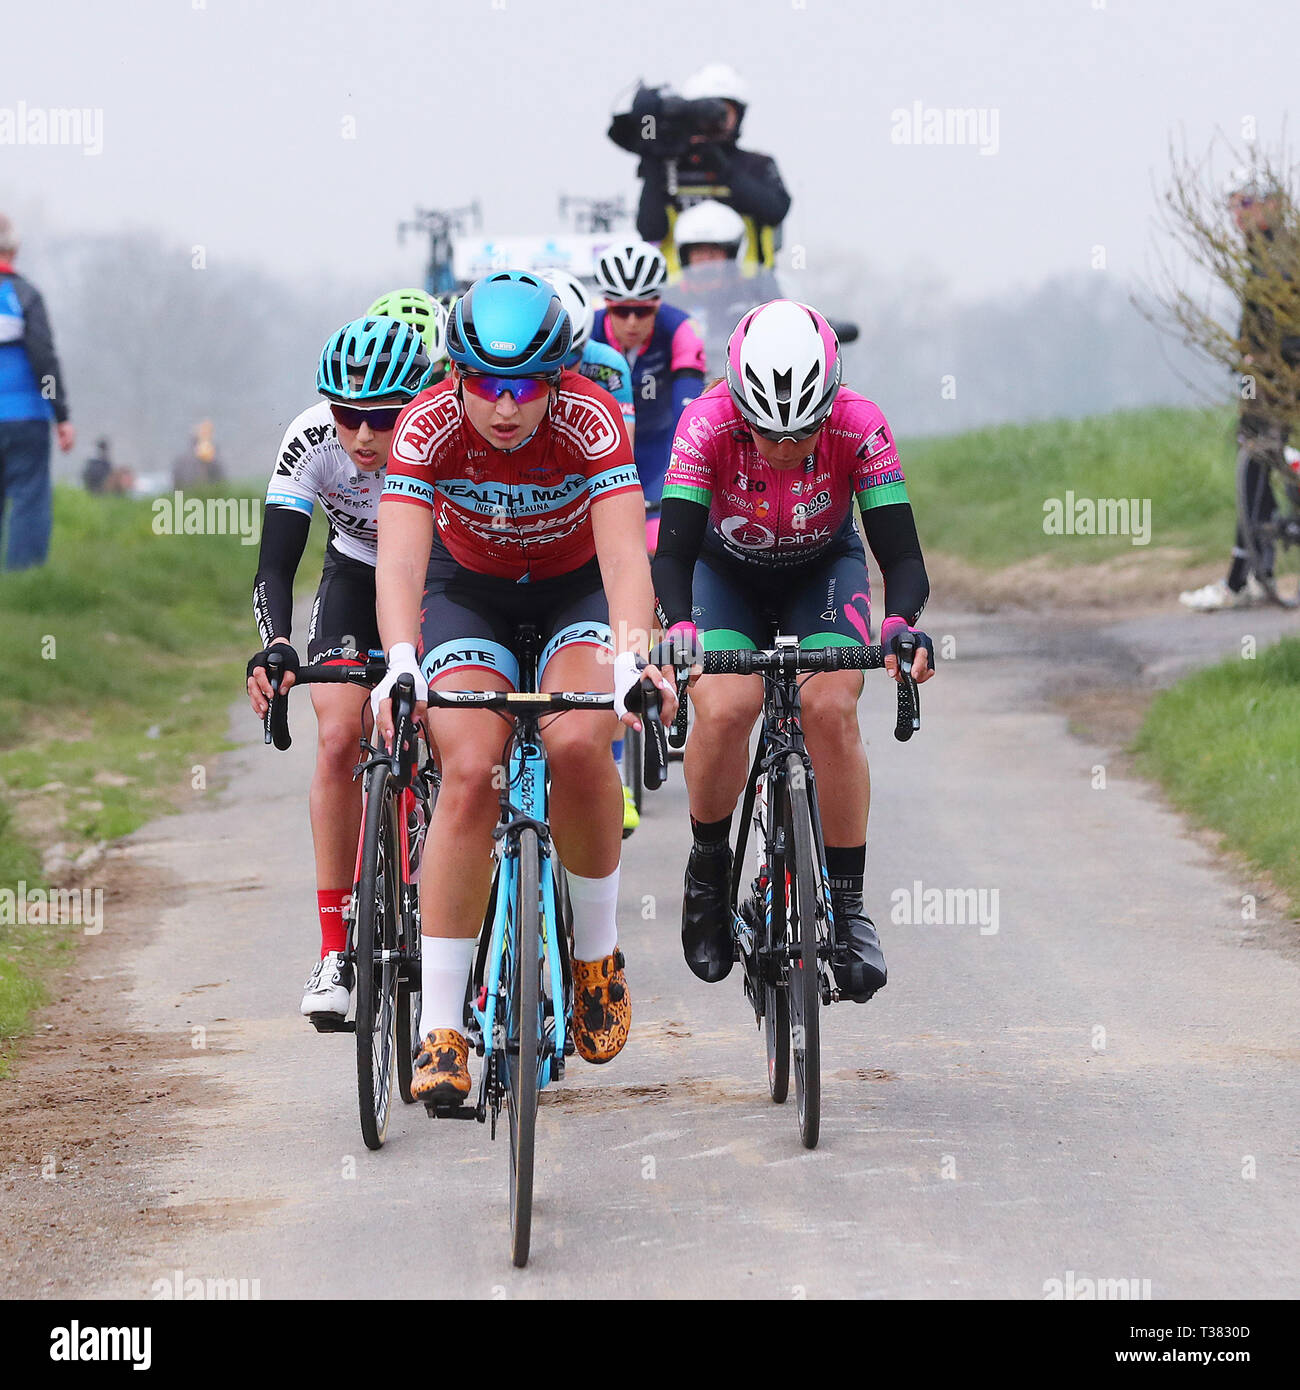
x,y
757,526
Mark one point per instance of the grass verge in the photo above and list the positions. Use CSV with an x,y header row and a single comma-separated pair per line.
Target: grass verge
x,y
979,496
1225,744
123,654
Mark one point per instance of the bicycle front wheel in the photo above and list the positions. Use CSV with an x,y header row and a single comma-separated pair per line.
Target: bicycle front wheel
x,y
634,765
522,1038
801,877
377,900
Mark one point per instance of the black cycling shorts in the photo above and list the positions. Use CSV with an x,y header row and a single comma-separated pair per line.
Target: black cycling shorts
x,y
469,620
343,628
826,603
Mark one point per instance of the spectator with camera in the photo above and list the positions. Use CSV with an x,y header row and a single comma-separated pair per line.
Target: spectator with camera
x,y
689,154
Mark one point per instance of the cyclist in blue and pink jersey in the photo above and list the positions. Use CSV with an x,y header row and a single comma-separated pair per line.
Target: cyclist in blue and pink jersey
x,y
598,362
512,497
758,520
662,348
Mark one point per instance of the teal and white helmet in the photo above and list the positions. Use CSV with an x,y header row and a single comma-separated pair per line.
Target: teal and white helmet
x,y
373,359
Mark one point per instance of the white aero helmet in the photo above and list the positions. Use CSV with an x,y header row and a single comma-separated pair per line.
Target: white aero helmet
x,y
719,81
783,369
576,298
631,270
709,223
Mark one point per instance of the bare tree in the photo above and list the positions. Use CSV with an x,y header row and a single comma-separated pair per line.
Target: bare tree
x,y
1227,282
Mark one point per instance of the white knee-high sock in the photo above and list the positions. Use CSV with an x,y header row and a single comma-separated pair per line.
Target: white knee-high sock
x,y
445,963
595,915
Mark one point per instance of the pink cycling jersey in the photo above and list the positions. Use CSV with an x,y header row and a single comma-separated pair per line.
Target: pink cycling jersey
x,y
770,516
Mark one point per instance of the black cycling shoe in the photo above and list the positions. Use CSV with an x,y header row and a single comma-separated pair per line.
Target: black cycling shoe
x,y
707,938
858,963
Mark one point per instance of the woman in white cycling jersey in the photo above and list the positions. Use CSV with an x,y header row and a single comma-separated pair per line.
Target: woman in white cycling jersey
x,y
333,456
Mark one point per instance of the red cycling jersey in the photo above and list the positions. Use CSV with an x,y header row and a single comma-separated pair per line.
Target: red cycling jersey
x,y
523,514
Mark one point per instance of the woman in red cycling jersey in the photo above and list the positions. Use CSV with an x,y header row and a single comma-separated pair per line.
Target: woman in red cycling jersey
x,y
512,496
757,524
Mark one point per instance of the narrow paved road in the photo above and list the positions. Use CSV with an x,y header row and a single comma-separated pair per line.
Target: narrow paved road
x,y
1105,1084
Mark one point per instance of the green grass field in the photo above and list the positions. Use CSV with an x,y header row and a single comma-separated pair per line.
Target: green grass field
x,y
123,654
979,496
1225,744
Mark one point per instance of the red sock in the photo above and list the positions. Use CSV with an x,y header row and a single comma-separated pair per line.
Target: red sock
x,y
333,931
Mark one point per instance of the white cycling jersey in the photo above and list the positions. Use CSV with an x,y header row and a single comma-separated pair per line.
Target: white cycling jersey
x,y
312,466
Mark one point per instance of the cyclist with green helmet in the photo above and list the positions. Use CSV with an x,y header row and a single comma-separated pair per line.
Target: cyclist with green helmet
x,y
334,455
426,315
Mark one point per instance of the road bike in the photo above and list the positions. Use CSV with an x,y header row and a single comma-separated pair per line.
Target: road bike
x,y
1268,513
399,790
784,927
519,1010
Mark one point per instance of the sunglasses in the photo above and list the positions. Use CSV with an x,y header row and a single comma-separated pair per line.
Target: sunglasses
x,y
523,388
632,311
777,437
380,421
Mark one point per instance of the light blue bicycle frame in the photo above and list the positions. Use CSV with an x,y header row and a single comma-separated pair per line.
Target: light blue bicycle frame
x,y
529,800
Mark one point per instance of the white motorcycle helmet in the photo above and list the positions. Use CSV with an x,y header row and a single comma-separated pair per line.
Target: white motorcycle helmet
x,y
718,81
783,369
709,223
576,298
631,270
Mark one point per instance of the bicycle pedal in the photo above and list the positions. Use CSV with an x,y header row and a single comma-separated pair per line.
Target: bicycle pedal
x,y
450,1112
331,1023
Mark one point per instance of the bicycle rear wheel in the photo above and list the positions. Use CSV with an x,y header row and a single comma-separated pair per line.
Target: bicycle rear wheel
x,y
377,899
523,1033
408,997
1269,525
776,1019
804,991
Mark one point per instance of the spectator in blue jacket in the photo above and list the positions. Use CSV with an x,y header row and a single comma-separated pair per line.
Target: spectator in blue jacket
x,y
31,395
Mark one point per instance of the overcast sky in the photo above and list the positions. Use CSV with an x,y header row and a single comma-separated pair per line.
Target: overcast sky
x,y
224,121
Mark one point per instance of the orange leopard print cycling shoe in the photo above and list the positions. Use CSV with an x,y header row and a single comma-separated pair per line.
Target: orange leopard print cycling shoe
x,y
441,1074
602,1007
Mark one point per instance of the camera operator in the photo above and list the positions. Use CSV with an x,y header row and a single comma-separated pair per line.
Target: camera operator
x,y
688,152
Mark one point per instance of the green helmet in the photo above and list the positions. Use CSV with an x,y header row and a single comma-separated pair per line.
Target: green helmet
x,y
423,313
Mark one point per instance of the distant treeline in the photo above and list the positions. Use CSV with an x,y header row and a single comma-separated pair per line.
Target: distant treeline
x,y
152,343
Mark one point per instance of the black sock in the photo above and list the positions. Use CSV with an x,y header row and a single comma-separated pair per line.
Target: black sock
x,y
1238,571
711,836
845,867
